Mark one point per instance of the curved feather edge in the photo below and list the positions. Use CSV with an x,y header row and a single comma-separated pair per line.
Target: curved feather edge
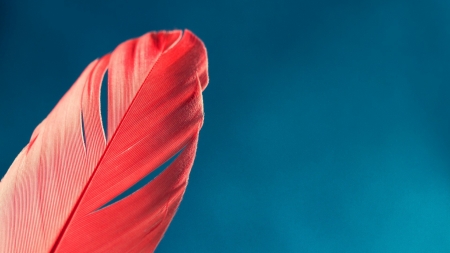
x,y
51,194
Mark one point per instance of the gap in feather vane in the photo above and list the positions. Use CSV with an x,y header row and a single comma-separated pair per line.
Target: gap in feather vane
x,y
104,104
144,181
83,130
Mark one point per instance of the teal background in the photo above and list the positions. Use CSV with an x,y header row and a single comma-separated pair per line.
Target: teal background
x,y
327,125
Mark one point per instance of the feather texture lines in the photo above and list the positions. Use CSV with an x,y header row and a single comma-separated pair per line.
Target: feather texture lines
x,y
53,197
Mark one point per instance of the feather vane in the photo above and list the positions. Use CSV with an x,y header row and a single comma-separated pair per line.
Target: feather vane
x,y
54,196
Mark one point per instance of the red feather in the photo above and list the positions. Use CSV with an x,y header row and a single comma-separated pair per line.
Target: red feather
x,y
53,196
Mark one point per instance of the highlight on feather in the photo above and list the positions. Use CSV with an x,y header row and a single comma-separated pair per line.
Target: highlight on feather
x,y
79,186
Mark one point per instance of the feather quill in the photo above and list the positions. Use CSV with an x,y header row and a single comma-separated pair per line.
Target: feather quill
x,y
55,195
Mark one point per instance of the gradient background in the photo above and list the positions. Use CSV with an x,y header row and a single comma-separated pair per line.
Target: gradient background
x,y
327,123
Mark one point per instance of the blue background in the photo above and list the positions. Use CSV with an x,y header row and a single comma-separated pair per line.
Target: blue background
x,y
327,123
